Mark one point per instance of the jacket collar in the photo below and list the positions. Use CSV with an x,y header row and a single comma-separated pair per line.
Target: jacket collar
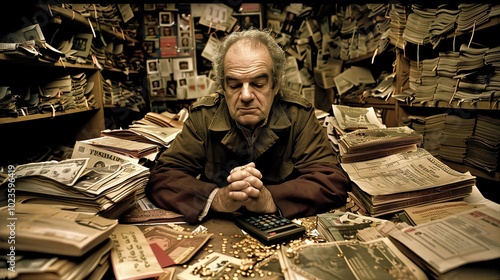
x,y
222,121
278,121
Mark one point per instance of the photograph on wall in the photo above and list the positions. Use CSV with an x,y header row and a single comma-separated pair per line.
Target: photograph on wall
x,y
152,66
151,46
82,44
171,88
166,18
167,31
151,31
182,65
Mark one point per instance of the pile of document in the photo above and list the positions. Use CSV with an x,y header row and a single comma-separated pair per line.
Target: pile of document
x,y
357,134
106,191
389,184
155,128
53,242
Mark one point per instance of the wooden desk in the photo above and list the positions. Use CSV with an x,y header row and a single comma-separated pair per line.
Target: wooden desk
x,y
227,238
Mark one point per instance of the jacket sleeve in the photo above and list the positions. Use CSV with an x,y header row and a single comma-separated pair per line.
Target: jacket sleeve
x,y
316,188
317,184
178,168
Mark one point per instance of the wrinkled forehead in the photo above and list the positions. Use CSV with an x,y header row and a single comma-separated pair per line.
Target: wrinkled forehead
x,y
245,45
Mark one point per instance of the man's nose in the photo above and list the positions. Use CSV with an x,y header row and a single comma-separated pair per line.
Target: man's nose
x,y
246,92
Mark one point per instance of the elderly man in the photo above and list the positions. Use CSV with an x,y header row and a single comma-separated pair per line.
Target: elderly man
x,y
253,146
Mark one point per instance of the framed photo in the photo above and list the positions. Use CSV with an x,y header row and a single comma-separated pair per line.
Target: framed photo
x,y
167,31
155,83
82,43
185,42
166,18
171,88
151,31
152,66
182,82
183,64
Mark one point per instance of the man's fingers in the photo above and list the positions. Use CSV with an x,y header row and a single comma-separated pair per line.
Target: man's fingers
x,y
238,196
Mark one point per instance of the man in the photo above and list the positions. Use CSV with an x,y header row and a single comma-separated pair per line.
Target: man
x,y
253,146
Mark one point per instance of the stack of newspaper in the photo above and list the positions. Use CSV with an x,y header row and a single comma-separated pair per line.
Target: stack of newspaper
x,y
105,191
389,184
154,128
358,134
52,242
365,144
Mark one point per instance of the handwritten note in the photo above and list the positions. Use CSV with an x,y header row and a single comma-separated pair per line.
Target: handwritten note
x,y
131,256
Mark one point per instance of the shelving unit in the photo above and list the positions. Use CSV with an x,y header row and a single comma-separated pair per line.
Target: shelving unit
x,y
483,35
28,137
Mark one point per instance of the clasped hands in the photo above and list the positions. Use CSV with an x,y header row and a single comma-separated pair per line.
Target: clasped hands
x,y
245,189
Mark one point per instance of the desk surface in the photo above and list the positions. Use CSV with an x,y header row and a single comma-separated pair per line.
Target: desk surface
x,y
227,238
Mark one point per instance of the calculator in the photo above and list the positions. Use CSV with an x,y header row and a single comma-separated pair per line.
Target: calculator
x,y
270,229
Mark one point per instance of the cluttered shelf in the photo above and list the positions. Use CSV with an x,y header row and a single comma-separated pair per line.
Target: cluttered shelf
x,y
490,23
39,116
75,16
455,104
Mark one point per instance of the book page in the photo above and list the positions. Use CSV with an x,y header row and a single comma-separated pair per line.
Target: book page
x,y
448,243
410,171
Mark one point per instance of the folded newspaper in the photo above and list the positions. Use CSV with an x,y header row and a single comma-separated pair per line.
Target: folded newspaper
x,y
445,244
377,259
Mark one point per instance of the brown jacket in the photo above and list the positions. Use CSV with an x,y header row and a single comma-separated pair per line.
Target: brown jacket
x,y
292,152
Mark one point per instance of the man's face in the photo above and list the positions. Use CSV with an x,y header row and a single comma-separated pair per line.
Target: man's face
x,y
248,83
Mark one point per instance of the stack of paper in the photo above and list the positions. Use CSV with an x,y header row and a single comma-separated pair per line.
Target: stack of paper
x,y
454,137
106,191
483,148
53,242
465,244
364,144
389,184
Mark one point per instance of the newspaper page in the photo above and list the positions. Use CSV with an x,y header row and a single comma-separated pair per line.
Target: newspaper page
x,y
100,157
444,244
65,172
352,118
123,146
377,259
410,171
426,213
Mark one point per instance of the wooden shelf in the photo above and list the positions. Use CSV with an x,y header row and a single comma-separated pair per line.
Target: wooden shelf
x,y
20,119
75,16
480,105
491,22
